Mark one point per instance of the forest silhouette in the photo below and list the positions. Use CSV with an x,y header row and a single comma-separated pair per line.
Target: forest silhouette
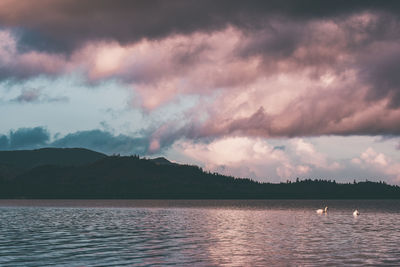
x,y
84,174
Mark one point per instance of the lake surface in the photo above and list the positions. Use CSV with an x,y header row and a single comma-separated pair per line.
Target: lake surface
x,y
198,233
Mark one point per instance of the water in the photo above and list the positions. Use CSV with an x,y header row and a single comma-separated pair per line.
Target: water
x,y
198,233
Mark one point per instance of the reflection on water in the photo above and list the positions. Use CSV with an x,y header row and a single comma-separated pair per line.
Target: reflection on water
x,y
198,233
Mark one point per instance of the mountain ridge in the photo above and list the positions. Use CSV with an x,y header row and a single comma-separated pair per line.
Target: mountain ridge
x,y
130,177
48,156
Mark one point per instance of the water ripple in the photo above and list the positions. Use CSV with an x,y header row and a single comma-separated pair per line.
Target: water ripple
x,y
236,233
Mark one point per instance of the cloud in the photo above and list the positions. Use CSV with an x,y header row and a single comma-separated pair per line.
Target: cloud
x,y
239,156
377,161
104,142
260,69
34,95
65,24
380,69
18,65
28,96
257,159
308,155
25,138
101,141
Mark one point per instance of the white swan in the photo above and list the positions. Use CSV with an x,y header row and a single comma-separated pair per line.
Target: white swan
x,y
321,211
356,213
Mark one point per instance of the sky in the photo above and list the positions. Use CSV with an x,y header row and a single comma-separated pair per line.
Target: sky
x,y
270,90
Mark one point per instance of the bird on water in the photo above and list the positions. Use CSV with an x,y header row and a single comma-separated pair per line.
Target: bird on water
x,y
321,211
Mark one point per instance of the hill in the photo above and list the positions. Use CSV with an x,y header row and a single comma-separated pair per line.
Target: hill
x,y
162,160
134,177
26,159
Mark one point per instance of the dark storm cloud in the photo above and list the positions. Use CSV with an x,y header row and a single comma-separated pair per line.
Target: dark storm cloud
x,y
104,142
33,39
25,138
277,40
65,24
380,70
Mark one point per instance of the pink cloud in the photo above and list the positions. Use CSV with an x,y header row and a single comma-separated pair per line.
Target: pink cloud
x,y
378,161
258,159
285,80
26,64
240,156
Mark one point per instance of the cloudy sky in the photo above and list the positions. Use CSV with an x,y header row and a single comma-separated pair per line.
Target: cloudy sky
x,y
270,90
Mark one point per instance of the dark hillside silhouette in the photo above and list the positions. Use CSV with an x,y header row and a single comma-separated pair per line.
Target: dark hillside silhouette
x,y
27,159
134,177
162,161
